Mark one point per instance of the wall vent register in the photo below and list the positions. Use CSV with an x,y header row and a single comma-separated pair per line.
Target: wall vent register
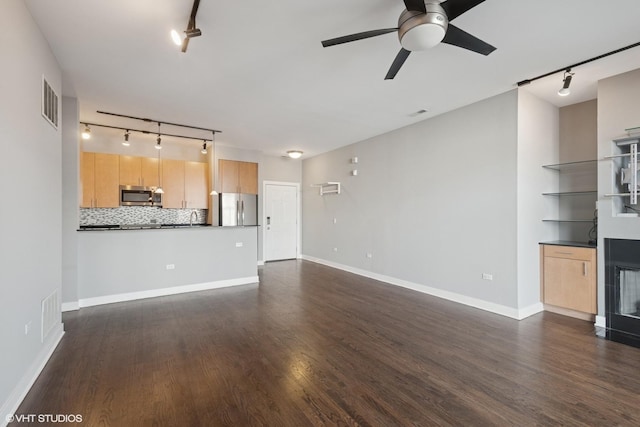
x,y
49,103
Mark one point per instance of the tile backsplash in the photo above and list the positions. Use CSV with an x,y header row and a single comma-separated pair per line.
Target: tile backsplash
x,y
134,215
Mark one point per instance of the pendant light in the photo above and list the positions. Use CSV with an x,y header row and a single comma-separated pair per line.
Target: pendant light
x,y
204,147
159,189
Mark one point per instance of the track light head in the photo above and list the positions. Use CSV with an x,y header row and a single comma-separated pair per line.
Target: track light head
x,y
86,133
158,142
204,147
566,82
126,139
193,32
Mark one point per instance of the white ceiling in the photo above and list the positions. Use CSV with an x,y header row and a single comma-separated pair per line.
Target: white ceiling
x,y
260,74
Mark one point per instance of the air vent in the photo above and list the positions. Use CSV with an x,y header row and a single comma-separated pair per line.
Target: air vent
x,y
51,315
49,103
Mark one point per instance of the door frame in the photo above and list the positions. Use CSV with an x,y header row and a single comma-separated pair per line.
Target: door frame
x,y
298,216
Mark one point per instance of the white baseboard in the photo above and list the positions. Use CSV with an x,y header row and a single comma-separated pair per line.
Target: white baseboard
x,y
601,322
131,296
70,306
502,310
10,406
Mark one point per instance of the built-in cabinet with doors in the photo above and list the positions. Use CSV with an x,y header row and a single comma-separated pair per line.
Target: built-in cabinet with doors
x,y
184,184
99,174
139,171
238,177
568,277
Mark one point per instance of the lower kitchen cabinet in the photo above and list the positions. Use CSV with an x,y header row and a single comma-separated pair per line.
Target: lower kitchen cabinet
x,y
569,277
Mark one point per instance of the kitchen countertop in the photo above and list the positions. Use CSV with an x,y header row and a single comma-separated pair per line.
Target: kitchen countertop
x,y
569,243
125,227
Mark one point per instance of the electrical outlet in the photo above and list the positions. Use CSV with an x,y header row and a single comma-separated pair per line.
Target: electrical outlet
x,y
487,276
335,220
27,328
171,266
239,244
335,249
369,255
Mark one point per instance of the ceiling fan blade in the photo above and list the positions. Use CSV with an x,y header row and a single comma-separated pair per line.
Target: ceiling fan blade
x,y
455,8
357,36
417,5
397,63
455,36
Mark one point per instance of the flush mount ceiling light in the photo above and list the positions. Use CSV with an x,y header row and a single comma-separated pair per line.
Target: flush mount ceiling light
x,y
191,30
126,139
86,133
566,81
294,154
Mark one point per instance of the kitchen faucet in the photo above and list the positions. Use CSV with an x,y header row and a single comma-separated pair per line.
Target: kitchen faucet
x,y
191,217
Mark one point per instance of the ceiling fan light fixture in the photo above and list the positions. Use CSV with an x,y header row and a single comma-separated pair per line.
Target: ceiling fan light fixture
x,y
294,154
421,31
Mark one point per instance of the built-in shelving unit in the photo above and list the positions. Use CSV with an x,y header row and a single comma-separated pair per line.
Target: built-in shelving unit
x,y
328,188
625,183
576,193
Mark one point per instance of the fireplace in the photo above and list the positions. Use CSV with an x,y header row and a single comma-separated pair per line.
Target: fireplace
x,y
622,290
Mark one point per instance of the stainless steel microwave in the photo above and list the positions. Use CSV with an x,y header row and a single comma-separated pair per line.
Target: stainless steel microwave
x,y
131,195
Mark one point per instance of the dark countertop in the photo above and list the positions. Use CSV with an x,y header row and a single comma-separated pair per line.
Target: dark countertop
x,y
569,243
107,227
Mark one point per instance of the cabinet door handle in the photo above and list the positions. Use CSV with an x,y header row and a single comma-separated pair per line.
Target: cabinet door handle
x,y
584,268
564,253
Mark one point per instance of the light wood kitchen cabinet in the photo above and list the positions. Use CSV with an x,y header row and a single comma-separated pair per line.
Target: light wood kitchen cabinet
x,y
99,174
238,177
139,171
184,184
569,277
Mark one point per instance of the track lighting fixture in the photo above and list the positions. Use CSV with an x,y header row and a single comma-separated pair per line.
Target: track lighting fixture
x,y
86,133
158,142
191,30
566,81
126,138
204,147
294,154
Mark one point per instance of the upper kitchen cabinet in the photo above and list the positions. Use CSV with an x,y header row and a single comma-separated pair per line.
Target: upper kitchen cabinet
x,y
184,184
139,171
99,174
238,177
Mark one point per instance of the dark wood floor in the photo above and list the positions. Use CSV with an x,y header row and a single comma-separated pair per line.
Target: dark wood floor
x,y
316,346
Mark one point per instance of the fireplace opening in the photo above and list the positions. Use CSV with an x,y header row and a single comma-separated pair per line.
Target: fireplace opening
x,y
622,290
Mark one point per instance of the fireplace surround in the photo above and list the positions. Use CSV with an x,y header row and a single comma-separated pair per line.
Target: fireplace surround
x,y
622,290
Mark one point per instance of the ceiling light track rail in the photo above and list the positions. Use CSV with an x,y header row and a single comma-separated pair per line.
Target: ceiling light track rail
x,y
569,67
148,132
144,119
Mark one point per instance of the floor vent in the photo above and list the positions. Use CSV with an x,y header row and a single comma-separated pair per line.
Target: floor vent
x,y
49,103
51,315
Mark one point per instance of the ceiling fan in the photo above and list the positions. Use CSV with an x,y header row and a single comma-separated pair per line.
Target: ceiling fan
x,y
422,25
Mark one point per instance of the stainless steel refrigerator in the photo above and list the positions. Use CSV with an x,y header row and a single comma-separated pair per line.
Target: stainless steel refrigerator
x,y
237,209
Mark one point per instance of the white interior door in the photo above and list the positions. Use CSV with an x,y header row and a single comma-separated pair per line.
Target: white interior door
x,y
281,222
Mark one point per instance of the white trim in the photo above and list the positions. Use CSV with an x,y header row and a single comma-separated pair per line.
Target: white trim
x,y
502,310
260,263
601,322
130,296
17,395
298,214
70,306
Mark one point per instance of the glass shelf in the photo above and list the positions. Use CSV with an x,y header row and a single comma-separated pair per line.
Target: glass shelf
x,y
572,193
559,166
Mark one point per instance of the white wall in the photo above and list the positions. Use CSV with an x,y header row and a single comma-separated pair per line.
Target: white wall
x,y
618,109
435,203
30,215
538,144
70,177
